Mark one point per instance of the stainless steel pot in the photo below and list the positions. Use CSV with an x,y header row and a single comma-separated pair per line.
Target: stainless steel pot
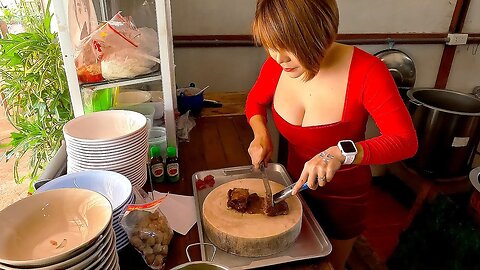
x,y
448,130
200,265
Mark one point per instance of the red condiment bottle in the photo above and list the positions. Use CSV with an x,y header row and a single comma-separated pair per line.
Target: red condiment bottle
x,y
156,165
173,168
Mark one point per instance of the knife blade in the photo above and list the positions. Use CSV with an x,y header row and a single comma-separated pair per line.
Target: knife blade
x,y
266,183
286,192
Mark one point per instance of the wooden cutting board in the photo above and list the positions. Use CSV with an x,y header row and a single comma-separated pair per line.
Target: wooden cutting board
x,y
251,235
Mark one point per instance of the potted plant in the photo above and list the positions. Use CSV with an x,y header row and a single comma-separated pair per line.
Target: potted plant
x,y
34,90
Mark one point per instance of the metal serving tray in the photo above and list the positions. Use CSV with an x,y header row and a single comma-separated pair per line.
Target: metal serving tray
x,y
311,243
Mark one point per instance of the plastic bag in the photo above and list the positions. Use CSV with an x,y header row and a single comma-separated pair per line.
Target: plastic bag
x,y
148,231
117,49
185,123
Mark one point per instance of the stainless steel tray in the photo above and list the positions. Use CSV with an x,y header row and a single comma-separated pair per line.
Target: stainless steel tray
x,y
311,243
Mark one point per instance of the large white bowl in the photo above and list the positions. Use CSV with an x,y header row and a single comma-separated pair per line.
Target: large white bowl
x,y
104,126
49,227
114,186
133,97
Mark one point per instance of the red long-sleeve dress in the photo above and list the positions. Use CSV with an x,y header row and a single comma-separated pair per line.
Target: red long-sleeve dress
x,y
340,206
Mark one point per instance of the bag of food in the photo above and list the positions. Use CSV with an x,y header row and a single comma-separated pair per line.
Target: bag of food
x,y
148,231
118,49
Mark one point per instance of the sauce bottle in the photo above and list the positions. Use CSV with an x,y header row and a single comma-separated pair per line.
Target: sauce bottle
x,y
156,165
173,173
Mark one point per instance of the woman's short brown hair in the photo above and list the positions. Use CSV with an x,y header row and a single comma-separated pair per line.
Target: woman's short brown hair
x,y
305,28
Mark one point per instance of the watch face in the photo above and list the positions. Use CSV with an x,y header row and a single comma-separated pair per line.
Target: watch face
x,y
348,147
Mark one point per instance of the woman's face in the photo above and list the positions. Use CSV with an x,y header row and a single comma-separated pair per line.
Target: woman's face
x,y
290,64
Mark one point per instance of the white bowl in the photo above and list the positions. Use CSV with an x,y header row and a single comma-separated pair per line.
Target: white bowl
x,y
128,141
91,251
114,186
133,97
104,126
49,227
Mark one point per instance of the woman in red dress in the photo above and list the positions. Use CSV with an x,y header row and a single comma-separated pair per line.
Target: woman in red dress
x,y
321,94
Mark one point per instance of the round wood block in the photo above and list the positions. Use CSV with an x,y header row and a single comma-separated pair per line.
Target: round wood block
x,y
250,235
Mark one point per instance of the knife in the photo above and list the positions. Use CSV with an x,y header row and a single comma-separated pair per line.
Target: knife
x,y
287,192
266,183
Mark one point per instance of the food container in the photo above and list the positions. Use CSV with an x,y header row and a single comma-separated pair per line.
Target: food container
x,y
146,109
158,137
190,99
97,100
132,97
157,101
448,129
203,265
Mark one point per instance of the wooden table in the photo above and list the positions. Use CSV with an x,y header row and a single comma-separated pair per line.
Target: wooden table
x,y
215,142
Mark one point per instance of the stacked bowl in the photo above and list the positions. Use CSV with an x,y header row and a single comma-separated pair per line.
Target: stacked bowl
x,y
58,229
109,140
113,186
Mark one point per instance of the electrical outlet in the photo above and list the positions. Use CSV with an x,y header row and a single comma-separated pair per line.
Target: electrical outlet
x,y
457,39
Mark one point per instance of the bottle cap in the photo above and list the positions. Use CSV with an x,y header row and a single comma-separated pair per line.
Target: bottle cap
x,y
171,151
155,151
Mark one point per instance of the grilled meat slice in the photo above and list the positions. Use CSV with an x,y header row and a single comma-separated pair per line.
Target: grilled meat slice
x,y
238,199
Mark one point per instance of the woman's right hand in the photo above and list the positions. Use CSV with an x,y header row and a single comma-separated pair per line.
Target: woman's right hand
x,y
260,149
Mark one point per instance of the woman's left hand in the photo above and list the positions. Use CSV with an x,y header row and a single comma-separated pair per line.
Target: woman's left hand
x,y
320,169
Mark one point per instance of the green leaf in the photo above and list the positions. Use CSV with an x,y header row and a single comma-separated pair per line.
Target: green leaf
x,y
35,90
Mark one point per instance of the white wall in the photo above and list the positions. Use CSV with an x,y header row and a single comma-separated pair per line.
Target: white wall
x,y
472,21
465,73
392,16
236,68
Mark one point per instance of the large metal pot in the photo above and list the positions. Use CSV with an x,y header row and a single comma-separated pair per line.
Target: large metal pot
x,y
448,130
200,265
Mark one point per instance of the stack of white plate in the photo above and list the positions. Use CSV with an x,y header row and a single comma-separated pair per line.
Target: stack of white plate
x,y
114,186
58,229
109,140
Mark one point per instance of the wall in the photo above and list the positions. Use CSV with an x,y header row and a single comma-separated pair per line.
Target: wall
x,y
236,68
191,17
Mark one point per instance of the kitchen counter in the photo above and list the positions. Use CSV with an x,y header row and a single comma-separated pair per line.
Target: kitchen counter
x,y
215,142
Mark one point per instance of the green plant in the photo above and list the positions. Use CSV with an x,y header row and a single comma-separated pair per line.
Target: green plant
x,y
25,12
34,90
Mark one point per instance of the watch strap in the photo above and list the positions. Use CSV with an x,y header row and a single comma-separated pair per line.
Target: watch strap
x,y
349,159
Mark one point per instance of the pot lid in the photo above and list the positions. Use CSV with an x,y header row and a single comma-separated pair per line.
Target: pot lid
x,y
400,65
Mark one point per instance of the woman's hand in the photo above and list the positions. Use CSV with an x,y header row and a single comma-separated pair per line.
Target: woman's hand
x,y
260,149
320,169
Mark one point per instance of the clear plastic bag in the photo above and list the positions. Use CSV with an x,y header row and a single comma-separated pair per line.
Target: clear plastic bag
x,y
117,49
148,231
